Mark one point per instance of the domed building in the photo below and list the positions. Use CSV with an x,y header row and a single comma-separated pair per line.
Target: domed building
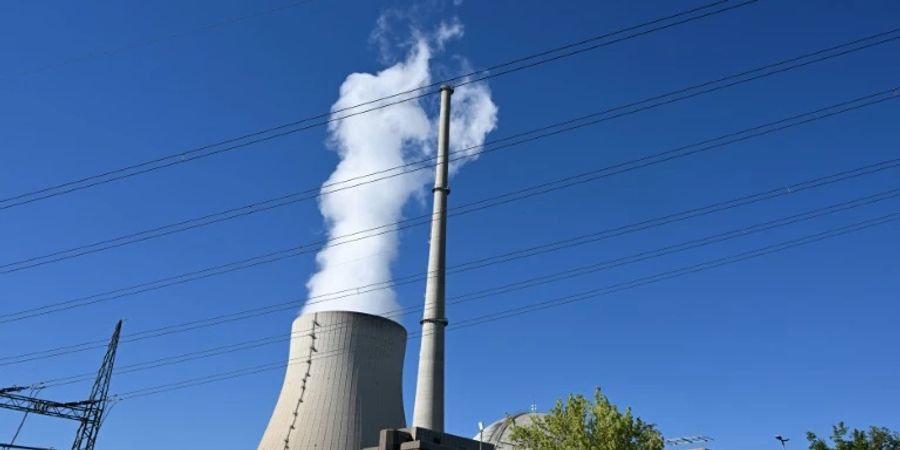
x,y
499,433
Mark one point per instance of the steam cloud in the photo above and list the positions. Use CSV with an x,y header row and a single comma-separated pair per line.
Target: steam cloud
x,y
380,140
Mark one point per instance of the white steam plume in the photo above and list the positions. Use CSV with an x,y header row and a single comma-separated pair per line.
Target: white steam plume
x,y
380,140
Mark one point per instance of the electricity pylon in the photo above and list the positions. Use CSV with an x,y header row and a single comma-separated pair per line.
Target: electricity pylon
x,y
89,413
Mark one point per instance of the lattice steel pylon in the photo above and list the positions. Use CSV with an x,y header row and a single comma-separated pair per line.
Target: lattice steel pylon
x,y
89,413
86,436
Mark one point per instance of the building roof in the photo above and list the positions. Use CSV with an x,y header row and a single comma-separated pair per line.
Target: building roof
x,y
498,433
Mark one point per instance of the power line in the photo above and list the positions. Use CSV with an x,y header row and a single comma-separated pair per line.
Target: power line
x,y
558,301
226,375
486,203
817,237
840,49
34,391
177,359
155,40
471,265
653,159
555,246
521,284
415,166
289,128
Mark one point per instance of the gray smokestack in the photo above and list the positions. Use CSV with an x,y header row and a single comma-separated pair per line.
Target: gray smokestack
x,y
429,407
343,384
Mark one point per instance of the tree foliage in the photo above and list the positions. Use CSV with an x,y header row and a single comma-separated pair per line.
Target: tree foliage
x,y
875,438
579,424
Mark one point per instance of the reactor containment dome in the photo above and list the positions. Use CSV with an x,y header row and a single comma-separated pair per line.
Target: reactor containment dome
x,y
499,433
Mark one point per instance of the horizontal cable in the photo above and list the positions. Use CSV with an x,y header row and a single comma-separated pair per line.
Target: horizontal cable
x,y
485,148
471,265
521,194
514,286
550,303
314,121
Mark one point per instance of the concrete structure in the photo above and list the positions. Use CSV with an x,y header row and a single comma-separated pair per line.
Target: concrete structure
x,y
428,411
342,385
423,439
499,433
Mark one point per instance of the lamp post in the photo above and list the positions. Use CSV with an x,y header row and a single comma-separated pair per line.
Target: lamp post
x,y
782,439
480,434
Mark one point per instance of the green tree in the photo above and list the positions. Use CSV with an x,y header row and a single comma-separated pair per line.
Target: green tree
x,y
579,424
875,438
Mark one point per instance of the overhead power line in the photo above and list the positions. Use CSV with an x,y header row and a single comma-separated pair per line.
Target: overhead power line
x,y
488,147
155,40
267,134
806,240
472,264
258,207
490,202
532,282
653,159
553,302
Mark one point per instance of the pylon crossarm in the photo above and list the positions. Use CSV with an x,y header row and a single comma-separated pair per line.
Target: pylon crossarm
x,y
33,405
13,389
24,447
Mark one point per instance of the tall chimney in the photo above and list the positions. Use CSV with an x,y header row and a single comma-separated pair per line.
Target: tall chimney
x,y
428,411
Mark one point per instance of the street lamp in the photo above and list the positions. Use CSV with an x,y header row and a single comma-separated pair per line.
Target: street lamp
x,y
480,434
781,439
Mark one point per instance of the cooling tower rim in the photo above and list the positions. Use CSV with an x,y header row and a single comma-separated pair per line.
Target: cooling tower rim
x,y
369,316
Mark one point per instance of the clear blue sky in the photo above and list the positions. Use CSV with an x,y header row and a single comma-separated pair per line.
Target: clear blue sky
x,y
782,344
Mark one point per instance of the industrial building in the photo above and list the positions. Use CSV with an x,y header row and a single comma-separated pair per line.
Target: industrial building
x,y
342,389
499,433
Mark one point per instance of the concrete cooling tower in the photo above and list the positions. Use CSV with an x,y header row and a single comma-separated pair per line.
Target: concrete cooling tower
x,y
342,385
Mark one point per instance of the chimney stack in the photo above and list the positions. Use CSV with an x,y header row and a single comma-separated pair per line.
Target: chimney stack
x,y
428,410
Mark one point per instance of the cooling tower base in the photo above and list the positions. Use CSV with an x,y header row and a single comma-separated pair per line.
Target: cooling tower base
x,y
342,385
424,439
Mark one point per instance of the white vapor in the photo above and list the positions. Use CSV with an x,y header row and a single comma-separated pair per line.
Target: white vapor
x,y
379,140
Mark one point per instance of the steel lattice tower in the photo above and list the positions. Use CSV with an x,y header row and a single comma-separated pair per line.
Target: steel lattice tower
x,y
86,436
89,413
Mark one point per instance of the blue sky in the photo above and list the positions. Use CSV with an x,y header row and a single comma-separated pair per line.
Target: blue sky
x,y
786,343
